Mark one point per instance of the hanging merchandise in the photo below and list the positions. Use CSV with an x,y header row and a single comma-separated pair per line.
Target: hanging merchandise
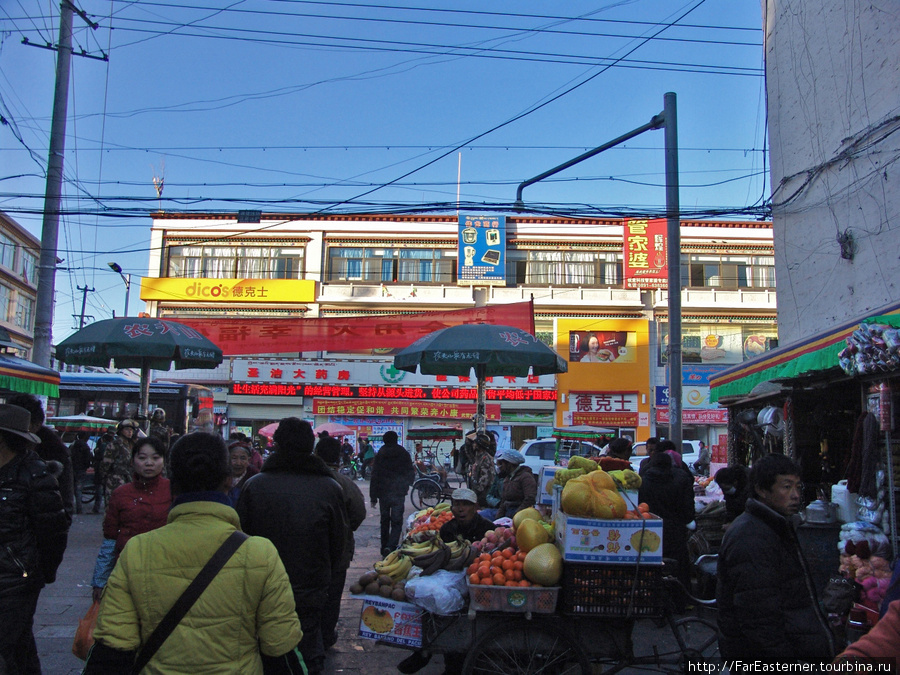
x,y
872,348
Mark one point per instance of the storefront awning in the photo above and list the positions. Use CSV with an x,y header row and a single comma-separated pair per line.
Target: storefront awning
x,y
815,354
19,375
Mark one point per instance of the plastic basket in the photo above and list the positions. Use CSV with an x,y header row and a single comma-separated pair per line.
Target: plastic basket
x,y
613,590
541,600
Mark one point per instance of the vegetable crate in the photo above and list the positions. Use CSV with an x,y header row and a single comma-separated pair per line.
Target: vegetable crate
x,y
539,600
613,590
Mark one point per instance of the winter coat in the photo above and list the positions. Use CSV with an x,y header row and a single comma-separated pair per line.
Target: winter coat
x,y
473,531
235,490
52,449
669,492
392,473
519,492
249,598
481,475
296,504
768,609
881,642
82,458
355,504
33,524
135,508
117,465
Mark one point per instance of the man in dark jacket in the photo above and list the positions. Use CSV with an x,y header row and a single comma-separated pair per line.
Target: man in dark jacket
x,y
296,504
768,609
331,450
81,462
51,448
392,475
33,532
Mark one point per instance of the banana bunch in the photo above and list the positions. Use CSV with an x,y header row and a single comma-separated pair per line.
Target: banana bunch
x,y
435,560
414,549
440,508
461,555
396,565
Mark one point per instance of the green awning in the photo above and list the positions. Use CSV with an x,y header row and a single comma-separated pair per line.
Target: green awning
x,y
813,355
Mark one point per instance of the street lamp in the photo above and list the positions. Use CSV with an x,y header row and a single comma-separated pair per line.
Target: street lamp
x,y
126,278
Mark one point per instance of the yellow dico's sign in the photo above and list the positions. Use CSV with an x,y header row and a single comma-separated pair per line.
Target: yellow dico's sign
x,y
228,290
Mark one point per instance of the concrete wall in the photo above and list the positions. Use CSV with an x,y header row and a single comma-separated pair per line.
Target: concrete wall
x,y
832,74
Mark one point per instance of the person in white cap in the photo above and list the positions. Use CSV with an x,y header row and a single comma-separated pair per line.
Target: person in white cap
x,y
519,489
466,520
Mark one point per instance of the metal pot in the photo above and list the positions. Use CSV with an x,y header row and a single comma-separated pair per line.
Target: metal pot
x,y
820,512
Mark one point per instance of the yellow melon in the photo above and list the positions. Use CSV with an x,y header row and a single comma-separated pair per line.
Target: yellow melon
x,y
543,565
531,534
530,513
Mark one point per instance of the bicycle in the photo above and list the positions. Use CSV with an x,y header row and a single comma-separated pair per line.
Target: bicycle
x,y
351,469
432,485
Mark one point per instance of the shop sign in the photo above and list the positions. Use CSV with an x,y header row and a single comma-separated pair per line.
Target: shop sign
x,y
645,263
717,344
691,398
605,419
604,408
228,290
481,258
378,407
695,416
415,393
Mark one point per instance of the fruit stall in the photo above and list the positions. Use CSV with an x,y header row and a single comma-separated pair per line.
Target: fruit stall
x,y
561,589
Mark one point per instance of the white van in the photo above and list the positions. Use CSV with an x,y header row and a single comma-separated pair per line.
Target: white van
x,y
542,451
690,453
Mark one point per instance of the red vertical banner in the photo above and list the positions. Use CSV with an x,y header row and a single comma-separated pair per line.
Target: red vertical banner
x,y
645,261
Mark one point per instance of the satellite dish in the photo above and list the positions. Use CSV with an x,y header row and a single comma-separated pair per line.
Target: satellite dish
x,y
771,421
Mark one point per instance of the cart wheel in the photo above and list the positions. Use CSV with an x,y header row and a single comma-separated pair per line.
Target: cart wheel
x,y
526,647
698,640
425,492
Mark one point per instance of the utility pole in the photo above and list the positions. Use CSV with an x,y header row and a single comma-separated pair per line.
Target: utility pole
x,y
673,246
46,290
84,291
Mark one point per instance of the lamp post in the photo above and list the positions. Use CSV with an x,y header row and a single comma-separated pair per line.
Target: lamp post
x,y
126,278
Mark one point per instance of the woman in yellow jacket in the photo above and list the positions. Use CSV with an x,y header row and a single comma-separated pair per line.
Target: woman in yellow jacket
x,y
244,621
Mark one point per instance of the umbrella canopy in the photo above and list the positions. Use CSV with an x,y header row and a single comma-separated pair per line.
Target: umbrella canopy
x,y
269,430
139,343
80,423
492,350
17,374
334,429
582,432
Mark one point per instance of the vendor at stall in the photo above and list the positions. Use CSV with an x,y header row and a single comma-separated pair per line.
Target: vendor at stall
x,y
466,521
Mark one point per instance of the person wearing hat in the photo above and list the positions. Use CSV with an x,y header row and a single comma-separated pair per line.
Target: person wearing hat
x,y
482,471
519,489
117,456
466,520
33,533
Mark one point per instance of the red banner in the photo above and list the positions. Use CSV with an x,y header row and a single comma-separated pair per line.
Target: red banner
x,y
236,336
645,254
379,407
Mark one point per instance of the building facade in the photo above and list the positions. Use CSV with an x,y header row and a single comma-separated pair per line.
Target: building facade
x,y
19,255
593,301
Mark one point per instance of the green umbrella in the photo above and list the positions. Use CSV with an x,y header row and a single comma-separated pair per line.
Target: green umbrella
x,y
491,350
145,343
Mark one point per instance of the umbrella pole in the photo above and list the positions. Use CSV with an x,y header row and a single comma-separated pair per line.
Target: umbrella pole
x,y
480,415
145,395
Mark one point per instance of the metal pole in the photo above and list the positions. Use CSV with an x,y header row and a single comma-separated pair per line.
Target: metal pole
x,y
127,278
673,227
43,316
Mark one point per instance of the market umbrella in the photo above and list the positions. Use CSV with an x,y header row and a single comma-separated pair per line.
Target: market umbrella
x,y
139,343
269,430
80,423
334,429
492,350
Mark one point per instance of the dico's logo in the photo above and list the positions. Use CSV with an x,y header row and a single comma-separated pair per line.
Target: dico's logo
x,y
198,290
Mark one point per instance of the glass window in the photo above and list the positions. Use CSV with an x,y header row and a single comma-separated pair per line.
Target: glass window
x,y
235,262
385,265
7,251
570,268
24,312
712,271
5,298
29,266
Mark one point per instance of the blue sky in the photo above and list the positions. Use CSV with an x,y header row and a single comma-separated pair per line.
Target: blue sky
x,y
296,106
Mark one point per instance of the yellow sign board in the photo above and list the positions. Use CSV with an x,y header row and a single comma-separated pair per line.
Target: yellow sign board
x,y
228,290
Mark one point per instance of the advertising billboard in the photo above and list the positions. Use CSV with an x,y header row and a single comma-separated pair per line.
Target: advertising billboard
x,y
482,251
644,255
602,346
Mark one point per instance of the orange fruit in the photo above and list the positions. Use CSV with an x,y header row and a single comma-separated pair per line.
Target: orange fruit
x,y
524,583
473,568
508,565
508,553
474,579
487,581
484,557
511,583
644,507
517,575
646,515
499,579
518,565
521,555
484,571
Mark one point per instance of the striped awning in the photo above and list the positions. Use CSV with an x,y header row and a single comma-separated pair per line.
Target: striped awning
x,y
19,375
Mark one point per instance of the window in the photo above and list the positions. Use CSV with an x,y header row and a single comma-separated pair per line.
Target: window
x,y
5,298
7,251
29,266
388,265
24,312
235,262
566,268
713,271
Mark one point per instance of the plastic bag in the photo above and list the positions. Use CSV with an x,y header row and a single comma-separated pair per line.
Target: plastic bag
x,y
84,634
441,593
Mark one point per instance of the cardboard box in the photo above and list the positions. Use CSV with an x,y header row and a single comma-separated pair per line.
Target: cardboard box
x,y
608,541
545,477
398,623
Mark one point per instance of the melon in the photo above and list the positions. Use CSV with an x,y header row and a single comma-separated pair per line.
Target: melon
x,y
584,498
530,513
531,534
543,565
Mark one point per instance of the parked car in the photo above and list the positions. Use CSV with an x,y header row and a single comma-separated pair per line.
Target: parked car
x,y
690,453
542,451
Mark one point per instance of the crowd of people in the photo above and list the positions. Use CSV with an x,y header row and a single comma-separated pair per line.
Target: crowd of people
x,y
270,539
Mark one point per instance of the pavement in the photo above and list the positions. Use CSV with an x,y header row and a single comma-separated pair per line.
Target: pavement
x,y
64,602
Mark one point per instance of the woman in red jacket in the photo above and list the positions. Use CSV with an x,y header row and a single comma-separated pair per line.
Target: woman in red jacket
x,y
134,508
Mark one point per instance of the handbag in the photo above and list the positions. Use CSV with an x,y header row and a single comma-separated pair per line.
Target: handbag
x,y
84,634
187,600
